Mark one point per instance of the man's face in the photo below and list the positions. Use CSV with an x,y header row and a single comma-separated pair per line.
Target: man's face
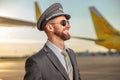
x,y
61,27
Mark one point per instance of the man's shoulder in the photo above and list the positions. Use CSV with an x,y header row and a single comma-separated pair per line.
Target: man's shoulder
x,y
42,53
70,50
39,55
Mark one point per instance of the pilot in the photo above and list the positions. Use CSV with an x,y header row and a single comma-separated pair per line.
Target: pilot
x,y
55,61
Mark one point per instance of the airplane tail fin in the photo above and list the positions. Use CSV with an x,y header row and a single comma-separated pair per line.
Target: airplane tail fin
x,y
101,24
38,11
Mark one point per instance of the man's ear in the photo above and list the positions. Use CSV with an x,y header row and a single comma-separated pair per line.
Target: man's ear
x,y
49,27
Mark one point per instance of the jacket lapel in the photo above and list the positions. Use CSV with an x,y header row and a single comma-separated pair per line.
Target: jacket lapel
x,y
53,58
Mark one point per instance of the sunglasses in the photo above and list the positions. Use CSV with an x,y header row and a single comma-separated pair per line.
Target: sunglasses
x,y
62,22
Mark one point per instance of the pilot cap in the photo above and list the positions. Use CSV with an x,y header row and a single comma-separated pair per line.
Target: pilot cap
x,y
51,12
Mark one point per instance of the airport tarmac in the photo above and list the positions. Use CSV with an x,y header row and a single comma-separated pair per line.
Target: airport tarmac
x,y
99,68
91,68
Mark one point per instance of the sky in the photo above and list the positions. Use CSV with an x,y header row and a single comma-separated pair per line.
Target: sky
x,y
20,41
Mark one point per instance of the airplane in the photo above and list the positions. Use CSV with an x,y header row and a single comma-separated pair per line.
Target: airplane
x,y
5,21
107,36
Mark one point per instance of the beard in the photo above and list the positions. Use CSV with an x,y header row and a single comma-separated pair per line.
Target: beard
x,y
62,35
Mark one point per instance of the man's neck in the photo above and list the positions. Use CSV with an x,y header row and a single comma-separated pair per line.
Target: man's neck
x,y
58,42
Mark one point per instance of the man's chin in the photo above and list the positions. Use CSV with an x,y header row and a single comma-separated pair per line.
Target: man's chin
x,y
66,38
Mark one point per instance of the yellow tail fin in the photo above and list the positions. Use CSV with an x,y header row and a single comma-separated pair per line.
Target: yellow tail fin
x,y
38,11
101,24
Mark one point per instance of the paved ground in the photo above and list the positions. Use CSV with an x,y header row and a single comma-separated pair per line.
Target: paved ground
x,y
91,68
99,68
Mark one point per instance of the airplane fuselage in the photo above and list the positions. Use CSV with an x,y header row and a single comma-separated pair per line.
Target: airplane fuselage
x,y
111,41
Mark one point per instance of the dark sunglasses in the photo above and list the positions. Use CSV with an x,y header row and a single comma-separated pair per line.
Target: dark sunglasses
x,y
62,22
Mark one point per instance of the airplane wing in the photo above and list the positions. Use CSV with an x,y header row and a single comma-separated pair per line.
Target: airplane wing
x,y
90,39
4,21
107,35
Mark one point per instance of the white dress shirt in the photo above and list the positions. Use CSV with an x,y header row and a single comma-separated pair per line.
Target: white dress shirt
x,y
57,52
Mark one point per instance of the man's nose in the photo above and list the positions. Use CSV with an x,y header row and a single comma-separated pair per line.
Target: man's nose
x,y
68,25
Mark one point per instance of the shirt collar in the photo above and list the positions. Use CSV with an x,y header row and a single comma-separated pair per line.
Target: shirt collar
x,y
53,47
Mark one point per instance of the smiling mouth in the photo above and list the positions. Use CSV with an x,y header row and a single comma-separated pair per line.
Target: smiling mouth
x,y
66,31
